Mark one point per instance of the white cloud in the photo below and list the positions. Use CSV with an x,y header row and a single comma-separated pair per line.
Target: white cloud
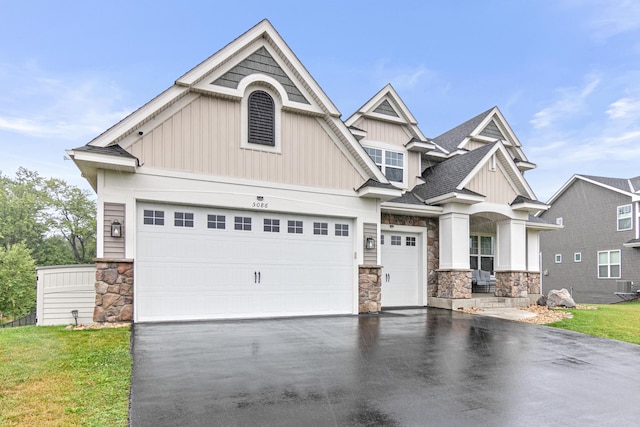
x,y
570,101
40,105
401,77
624,108
615,17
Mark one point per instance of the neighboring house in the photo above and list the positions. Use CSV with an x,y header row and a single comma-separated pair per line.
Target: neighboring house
x,y
239,192
599,243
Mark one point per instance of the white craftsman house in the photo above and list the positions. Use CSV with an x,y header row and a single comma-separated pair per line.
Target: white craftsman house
x,y
240,192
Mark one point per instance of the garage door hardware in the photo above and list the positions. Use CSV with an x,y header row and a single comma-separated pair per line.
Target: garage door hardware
x,y
256,277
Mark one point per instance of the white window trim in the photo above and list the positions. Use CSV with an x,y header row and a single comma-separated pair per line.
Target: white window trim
x,y
244,119
558,258
394,148
577,257
630,217
609,264
479,255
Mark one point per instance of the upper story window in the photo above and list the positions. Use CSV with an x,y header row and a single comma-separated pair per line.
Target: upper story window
x,y
624,218
262,114
391,163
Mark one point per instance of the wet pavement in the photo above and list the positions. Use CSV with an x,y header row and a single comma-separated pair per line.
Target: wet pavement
x,y
426,367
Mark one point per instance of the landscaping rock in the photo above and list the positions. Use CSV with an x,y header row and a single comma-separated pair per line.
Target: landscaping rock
x,y
560,298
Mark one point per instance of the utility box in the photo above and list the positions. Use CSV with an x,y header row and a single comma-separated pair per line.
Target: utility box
x,y
626,287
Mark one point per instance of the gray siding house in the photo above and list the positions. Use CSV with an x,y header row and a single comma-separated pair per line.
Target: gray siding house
x,y
599,243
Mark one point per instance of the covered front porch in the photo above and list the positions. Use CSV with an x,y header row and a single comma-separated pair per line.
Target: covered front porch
x,y
498,246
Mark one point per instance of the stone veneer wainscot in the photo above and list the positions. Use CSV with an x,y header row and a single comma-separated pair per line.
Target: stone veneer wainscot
x,y
369,288
114,290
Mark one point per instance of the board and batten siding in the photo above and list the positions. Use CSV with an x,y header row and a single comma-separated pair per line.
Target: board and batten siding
x,y
62,289
204,138
370,257
114,247
377,130
493,184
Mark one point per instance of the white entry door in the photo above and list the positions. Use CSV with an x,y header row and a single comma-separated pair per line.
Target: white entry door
x,y
401,273
207,263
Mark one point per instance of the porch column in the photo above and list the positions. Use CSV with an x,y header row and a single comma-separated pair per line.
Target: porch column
x,y
454,275
533,262
511,262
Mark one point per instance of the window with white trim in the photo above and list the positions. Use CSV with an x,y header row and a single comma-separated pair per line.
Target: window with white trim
x,y
577,257
396,241
558,258
321,228
481,252
609,264
624,218
271,225
342,230
294,227
382,239
242,223
151,217
410,241
216,222
183,219
391,163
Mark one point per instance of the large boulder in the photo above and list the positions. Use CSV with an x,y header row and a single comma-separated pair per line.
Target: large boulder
x,y
560,298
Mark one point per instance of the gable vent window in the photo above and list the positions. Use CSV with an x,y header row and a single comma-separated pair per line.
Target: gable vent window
x,y
261,119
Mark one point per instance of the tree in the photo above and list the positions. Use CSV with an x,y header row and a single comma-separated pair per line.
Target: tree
x,y
17,281
43,214
73,215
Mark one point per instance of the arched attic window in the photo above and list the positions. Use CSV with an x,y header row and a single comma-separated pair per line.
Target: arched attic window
x,y
261,118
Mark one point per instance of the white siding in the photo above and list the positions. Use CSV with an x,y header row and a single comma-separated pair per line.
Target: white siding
x,y
493,184
65,288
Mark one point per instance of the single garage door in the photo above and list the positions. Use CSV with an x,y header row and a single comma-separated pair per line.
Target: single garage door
x,y
401,273
206,263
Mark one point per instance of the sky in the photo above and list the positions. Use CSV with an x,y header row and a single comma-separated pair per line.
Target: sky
x,y
564,73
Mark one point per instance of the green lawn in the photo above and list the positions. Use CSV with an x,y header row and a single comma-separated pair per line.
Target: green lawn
x,y
50,376
615,321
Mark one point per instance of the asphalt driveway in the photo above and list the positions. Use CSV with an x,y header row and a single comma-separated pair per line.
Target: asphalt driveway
x,y
426,367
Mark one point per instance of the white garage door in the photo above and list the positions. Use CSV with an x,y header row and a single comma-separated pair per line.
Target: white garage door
x,y
207,263
401,273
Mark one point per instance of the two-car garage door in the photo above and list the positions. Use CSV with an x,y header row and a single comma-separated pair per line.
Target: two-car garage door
x,y
208,263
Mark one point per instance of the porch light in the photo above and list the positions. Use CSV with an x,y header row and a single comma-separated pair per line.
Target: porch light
x,y
370,243
116,228
74,313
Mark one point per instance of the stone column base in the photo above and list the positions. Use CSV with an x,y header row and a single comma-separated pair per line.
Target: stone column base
x,y
511,284
369,285
533,282
114,291
454,284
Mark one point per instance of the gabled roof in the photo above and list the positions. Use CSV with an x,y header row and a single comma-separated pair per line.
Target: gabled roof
x,y
452,139
387,105
488,126
445,177
628,187
452,175
221,75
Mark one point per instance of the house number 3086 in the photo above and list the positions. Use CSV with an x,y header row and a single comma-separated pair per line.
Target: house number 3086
x,y
260,205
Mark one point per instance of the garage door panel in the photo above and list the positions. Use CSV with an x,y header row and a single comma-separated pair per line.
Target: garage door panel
x,y
203,273
400,276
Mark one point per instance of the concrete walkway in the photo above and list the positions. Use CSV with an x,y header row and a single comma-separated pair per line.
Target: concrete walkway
x,y
402,368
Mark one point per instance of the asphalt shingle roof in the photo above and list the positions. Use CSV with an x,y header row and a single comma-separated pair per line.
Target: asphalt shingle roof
x,y
112,150
523,199
623,184
444,177
452,138
373,183
407,198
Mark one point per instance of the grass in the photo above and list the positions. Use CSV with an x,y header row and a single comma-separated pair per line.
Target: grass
x,y
615,321
50,376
